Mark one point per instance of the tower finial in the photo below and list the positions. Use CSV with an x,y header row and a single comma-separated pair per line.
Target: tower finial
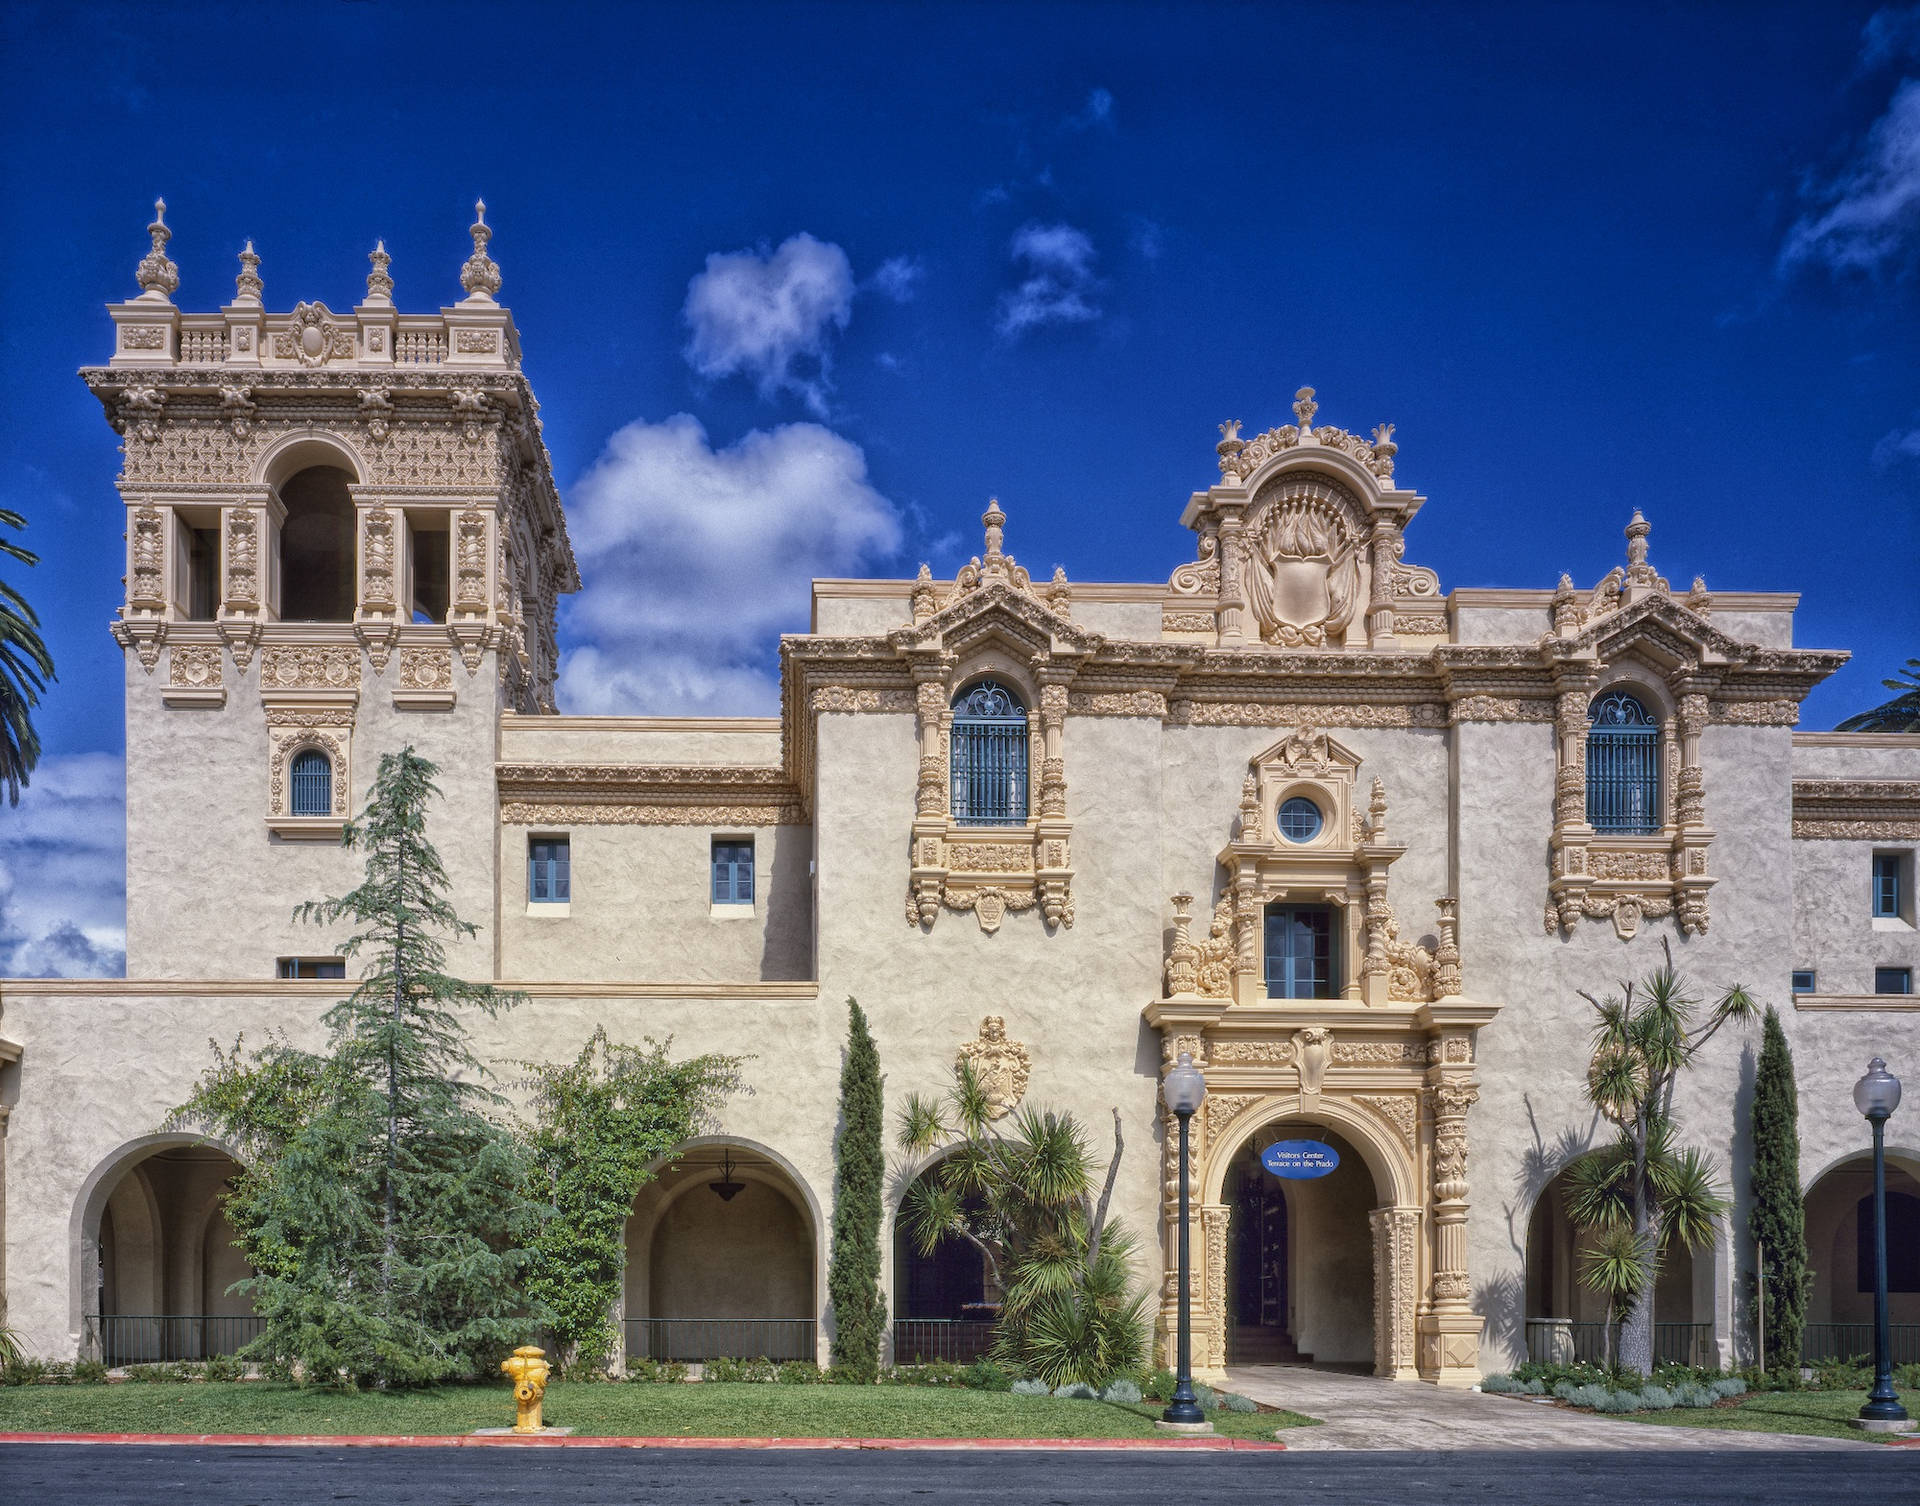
x,y
155,274
247,287
379,284
481,275
1304,407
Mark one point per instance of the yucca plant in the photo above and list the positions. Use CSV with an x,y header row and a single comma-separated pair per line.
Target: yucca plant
x,y
1025,1197
1644,1186
25,669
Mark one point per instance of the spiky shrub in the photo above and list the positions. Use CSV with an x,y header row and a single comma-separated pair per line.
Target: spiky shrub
x,y
860,1168
1023,1192
1644,1191
386,1212
1778,1221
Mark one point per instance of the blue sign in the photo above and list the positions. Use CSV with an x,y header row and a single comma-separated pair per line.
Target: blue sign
x,y
1298,1160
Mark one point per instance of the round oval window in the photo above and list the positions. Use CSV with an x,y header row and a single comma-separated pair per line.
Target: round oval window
x,y
1299,819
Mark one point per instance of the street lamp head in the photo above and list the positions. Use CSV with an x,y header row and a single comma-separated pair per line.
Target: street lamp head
x,y
1876,1095
1185,1087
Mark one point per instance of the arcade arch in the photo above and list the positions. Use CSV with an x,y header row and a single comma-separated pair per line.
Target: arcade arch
x,y
723,1258
157,1256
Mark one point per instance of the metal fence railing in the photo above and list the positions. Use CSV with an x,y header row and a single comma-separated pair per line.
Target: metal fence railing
x,y
958,1340
151,1338
1558,1341
722,1338
1845,1341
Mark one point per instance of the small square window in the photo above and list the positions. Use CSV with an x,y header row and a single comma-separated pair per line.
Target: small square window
x,y
549,870
312,967
732,871
1803,980
1889,885
1893,980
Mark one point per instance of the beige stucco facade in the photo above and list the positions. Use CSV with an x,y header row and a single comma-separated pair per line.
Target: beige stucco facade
x,y
1118,917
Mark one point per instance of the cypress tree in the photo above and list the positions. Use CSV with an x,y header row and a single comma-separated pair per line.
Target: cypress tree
x,y
853,1274
1778,1221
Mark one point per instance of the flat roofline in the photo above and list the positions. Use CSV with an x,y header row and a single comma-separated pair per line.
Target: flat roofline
x,y
1106,591
514,721
333,988
1517,596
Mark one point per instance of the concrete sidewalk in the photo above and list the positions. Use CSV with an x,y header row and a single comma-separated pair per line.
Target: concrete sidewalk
x,y
1360,1412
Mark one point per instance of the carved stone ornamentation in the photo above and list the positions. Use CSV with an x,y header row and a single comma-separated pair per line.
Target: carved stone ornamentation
x,y
309,667
425,669
1312,1052
1001,1066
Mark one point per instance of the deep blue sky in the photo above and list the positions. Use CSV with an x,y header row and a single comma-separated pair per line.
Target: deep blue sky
x,y
1545,241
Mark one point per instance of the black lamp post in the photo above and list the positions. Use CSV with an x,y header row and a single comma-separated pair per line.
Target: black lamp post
x,y
1877,1095
1185,1090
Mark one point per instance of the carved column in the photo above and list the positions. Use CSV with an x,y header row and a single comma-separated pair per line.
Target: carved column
x,y
1233,600
1385,541
1573,687
1396,1276
1212,1343
930,797
1450,1328
1691,834
377,613
467,611
143,620
248,551
1053,866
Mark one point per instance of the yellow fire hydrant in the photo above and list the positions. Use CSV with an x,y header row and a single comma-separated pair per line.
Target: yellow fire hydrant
x,y
529,1369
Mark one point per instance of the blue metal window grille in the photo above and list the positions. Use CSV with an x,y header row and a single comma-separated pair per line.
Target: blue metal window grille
x,y
989,765
1886,883
1299,819
732,873
1623,765
312,783
549,870
1893,980
1300,952
1803,980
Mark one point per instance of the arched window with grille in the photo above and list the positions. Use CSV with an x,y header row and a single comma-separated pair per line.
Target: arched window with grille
x,y
989,764
312,781
1623,765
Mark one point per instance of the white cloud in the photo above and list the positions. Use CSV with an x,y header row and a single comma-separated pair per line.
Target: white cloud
x,y
63,871
1899,447
770,316
695,559
1056,282
1890,34
1096,114
1866,217
898,277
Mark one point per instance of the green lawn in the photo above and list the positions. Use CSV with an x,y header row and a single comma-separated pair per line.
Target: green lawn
x,y
697,1411
1820,1413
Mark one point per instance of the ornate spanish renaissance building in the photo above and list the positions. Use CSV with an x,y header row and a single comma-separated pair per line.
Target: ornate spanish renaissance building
x,y
1352,840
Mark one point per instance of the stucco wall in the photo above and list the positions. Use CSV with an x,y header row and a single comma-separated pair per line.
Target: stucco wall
x,y
211,891
643,740
642,908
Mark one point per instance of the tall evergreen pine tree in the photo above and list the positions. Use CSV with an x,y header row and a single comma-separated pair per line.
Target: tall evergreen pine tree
x,y
1778,1221
385,1213
853,1276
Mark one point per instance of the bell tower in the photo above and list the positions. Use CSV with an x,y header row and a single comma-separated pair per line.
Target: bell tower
x,y
343,537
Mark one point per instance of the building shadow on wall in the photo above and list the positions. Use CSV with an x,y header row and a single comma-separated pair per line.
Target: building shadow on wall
x,y
1503,1298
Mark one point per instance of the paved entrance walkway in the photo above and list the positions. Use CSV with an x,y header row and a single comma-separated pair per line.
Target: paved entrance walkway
x,y
1360,1412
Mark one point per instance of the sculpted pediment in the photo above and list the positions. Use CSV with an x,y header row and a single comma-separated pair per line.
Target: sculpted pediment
x,y
1662,626
992,595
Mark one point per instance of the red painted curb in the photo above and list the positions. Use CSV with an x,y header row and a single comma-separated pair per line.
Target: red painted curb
x,y
468,1440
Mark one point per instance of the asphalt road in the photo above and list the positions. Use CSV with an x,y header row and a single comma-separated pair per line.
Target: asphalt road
x,y
80,1475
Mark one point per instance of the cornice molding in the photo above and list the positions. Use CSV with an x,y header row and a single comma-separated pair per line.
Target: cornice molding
x,y
1908,742
1859,810
334,988
573,794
